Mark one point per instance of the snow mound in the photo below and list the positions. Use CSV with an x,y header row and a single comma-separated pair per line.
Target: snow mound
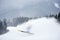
x,y
42,29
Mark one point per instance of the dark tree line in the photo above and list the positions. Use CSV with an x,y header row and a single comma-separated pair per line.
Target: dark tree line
x,y
20,20
3,26
58,16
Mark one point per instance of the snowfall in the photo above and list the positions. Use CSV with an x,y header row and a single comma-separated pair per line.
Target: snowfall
x,y
42,29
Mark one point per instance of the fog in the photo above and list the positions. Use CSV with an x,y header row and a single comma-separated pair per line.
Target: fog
x,y
28,8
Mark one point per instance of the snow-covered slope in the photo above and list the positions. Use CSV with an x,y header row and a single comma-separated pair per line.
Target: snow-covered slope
x,y
42,29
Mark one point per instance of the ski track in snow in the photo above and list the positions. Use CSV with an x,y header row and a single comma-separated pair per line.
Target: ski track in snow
x,y
42,29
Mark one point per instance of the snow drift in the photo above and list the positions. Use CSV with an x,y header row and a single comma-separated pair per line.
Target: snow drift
x,y
42,29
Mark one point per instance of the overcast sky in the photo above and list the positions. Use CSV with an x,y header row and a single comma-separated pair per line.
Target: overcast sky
x,y
29,8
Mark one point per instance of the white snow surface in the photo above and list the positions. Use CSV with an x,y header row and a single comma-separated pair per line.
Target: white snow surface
x,y
42,29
